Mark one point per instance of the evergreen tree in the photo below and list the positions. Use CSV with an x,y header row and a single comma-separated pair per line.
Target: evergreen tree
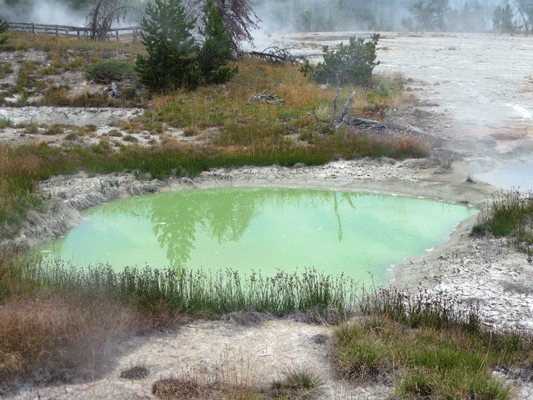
x,y
3,28
171,48
216,49
507,19
466,19
430,14
502,19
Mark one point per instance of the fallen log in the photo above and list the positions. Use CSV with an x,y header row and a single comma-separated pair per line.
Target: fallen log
x,y
277,55
364,123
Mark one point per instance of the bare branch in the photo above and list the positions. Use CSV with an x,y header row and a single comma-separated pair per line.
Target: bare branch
x,y
103,14
335,103
238,16
345,110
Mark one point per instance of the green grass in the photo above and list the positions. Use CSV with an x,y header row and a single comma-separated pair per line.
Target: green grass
x,y
23,167
428,348
6,123
509,215
108,71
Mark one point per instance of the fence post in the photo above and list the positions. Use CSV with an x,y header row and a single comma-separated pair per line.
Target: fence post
x,y
33,28
57,31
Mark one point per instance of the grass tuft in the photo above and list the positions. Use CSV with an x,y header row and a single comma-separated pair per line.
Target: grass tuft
x,y
509,215
427,348
134,373
295,385
298,384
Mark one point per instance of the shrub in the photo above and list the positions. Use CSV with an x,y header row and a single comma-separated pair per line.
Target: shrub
x,y
352,64
107,71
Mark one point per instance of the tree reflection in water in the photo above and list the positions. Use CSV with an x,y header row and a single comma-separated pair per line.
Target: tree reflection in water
x,y
249,229
226,215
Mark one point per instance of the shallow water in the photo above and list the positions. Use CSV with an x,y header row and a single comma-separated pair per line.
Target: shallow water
x,y
510,176
245,229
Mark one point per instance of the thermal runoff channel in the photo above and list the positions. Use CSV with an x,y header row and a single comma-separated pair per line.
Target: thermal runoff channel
x,y
260,230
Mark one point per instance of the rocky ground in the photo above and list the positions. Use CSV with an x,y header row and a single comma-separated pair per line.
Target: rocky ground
x,y
486,272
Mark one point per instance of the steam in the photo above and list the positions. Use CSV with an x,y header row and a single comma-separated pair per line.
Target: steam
x,y
42,12
56,12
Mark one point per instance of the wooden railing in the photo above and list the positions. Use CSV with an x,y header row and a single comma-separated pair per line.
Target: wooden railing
x,y
129,34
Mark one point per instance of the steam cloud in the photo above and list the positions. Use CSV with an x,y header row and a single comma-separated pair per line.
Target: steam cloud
x,y
41,12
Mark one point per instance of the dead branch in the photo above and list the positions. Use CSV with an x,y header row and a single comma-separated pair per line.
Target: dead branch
x,y
345,110
369,123
364,123
238,16
335,104
276,55
266,98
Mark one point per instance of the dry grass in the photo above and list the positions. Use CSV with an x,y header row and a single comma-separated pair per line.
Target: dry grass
x,y
294,385
48,339
135,373
56,46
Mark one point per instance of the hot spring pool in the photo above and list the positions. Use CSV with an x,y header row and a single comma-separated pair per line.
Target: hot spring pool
x,y
260,230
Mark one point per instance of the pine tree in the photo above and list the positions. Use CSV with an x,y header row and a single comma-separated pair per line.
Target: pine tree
x,y
216,49
171,47
3,28
507,19
237,15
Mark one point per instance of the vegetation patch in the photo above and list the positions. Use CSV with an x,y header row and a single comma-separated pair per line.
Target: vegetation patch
x,y
183,291
135,373
108,71
509,215
427,347
48,337
51,313
295,385
349,64
6,68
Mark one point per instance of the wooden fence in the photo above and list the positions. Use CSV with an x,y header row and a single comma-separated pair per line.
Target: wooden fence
x,y
129,34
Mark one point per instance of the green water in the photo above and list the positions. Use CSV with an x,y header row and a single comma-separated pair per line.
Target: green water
x,y
245,229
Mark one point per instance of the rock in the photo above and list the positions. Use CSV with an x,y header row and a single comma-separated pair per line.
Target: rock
x,y
69,115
